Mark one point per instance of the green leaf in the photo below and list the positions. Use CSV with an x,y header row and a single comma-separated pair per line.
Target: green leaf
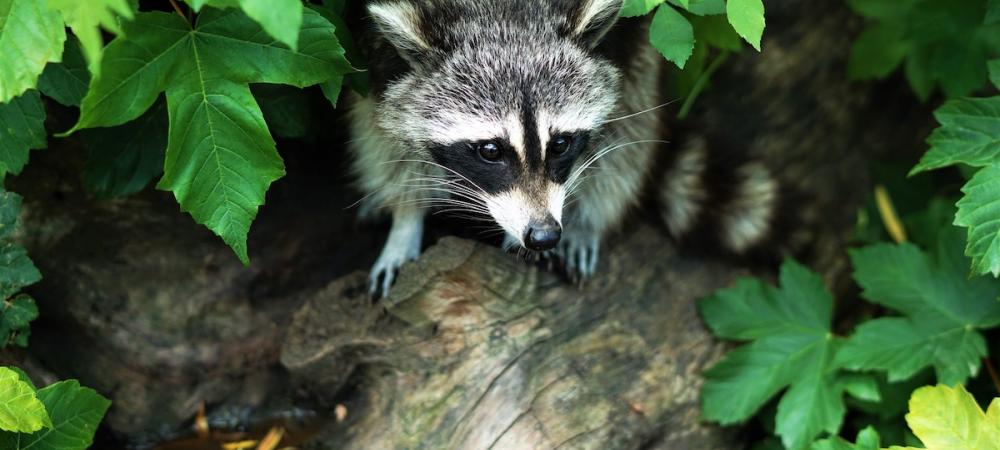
x,y
219,129
979,211
87,18
331,90
716,32
882,9
994,70
75,411
66,82
22,128
16,269
707,7
286,109
947,418
878,51
16,316
280,18
867,440
20,410
992,13
19,312
136,67
942,310
862,387
24,377
634,8
747,18
220,156
792,346
159,50
124,159
671,34
10,209
947,41
31,36
969,134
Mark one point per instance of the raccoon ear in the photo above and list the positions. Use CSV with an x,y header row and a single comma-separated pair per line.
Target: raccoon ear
x,y
401,24
593,19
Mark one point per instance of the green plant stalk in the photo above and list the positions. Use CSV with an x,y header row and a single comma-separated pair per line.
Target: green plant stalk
x,y
699,85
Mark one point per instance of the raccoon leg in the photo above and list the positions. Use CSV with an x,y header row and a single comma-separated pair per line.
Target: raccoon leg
x,y
402,245
601,199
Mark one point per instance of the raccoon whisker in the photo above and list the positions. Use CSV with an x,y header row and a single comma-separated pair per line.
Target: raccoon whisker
x,y
453,213
629,116
443,185
441,167
452,203
468,194
575,189
452,184
457,198
574,176
433,202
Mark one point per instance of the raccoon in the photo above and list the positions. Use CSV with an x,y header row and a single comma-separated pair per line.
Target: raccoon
x,y
539,114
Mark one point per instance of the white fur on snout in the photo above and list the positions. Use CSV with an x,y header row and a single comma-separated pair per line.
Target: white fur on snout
x,y
510,210
555,197
513,210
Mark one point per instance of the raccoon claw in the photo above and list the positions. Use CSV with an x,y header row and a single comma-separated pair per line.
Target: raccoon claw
x,y
579,255
384,273
380,280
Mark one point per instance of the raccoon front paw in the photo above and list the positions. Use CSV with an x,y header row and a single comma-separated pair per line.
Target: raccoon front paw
x,y
386,268
579,253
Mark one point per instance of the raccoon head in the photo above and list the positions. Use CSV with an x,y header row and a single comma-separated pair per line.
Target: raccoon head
x,y
504,95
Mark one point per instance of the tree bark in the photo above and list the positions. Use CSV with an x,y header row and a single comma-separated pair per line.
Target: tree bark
x,y
476,350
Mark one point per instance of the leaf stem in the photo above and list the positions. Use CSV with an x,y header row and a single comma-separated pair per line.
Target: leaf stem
x,y
993,373
699,84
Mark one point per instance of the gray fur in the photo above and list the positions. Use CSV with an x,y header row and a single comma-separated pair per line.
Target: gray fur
x,y
447,74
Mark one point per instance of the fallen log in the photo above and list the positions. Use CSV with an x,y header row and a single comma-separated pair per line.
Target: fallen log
x,y
475,350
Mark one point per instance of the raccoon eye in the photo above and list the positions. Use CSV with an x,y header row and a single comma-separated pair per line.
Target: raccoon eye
x,y
489,151
560,144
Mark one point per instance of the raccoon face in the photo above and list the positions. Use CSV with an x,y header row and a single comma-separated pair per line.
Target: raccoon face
x,y
504,96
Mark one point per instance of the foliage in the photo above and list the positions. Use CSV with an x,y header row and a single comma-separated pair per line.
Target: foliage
x,y
671,32
868,439
20,409
697,36
16,272
791,344
61,416
939,43
944,418
942,310
209,139
970,135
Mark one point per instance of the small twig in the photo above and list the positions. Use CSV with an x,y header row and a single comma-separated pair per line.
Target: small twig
x,y
993,373
179,11
892,223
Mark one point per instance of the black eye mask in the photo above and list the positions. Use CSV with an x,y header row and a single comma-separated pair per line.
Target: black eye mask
x,y
558,165
465,158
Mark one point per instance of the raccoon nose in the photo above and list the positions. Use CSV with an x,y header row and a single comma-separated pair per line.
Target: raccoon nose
x,y
543,236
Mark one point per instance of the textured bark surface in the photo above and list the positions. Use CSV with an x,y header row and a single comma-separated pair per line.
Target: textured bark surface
x,y
477,350
474,349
